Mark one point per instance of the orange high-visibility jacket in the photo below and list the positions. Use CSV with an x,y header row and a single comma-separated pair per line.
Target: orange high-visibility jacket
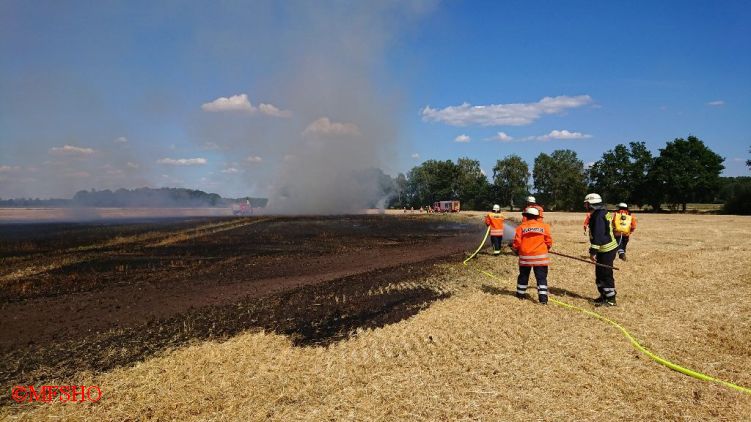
x,y
618,223
495,222
539,208
532,242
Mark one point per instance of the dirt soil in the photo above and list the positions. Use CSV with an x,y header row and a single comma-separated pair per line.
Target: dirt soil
x,y
94,296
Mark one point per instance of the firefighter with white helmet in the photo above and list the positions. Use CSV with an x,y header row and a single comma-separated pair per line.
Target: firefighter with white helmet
x,y
532,203
494,220
532,242
624,224
602,249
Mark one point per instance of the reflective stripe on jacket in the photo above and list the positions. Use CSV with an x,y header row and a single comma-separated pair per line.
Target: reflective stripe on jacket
x,y
495,221
601,236
532,242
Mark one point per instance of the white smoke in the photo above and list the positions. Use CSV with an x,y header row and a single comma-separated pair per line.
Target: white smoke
x,y
341,121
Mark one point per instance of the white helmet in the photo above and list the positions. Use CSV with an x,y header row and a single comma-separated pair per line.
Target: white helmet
x,y
593,198
623,205
496,208
531,200
531,211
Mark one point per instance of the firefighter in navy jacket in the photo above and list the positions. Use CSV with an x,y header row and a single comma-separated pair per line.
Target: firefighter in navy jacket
x,y
602,249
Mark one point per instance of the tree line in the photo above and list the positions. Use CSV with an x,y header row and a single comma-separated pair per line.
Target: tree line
x,y
141,197
685,171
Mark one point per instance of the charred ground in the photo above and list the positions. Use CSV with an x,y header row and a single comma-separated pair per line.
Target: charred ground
x,y
96,296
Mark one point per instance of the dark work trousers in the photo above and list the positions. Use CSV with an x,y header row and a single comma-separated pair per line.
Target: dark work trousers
x,y
604,276
541,274
496,241
622,243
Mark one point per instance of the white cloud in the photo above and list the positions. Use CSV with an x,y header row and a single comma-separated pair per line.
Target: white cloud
x,y
270,110
716,103
241,103
563,134
501,137
324,126
8,169
231,170
254,159
71,150
514,114
589,165
132,165
462,138
234,103
121,140
208,146
416,156
182,161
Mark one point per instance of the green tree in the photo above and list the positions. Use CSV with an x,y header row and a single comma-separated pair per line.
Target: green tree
x,y
472,185
400,191
687,171
432,181
511,180
621,174
560,180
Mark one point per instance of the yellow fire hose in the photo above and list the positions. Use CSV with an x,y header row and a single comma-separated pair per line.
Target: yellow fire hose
x,y
638,346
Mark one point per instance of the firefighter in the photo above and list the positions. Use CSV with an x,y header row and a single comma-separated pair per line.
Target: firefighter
x,y
624,223
532,243
602,249
494,220
532,203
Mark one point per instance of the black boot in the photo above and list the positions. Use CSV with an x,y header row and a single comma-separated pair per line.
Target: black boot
x,y
600,300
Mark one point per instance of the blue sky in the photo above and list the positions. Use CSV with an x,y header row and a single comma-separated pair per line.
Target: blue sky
x,y
111,94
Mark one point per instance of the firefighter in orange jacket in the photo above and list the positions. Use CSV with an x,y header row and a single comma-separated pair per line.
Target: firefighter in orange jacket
x,y
624,224
586,221
532,203
494,220
532,243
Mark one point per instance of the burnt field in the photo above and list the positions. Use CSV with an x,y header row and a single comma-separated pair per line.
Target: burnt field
x,y
95,296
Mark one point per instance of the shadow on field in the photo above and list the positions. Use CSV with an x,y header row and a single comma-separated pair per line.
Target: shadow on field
x,y
555,291
497,291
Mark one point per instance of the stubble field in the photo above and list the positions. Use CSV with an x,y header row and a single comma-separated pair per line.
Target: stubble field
x,y
370,318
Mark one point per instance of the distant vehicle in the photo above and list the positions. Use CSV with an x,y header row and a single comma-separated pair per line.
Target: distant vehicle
x,y
446,206
242,209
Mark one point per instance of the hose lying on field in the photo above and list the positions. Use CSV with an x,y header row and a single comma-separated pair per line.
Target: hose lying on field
x,y
638,346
